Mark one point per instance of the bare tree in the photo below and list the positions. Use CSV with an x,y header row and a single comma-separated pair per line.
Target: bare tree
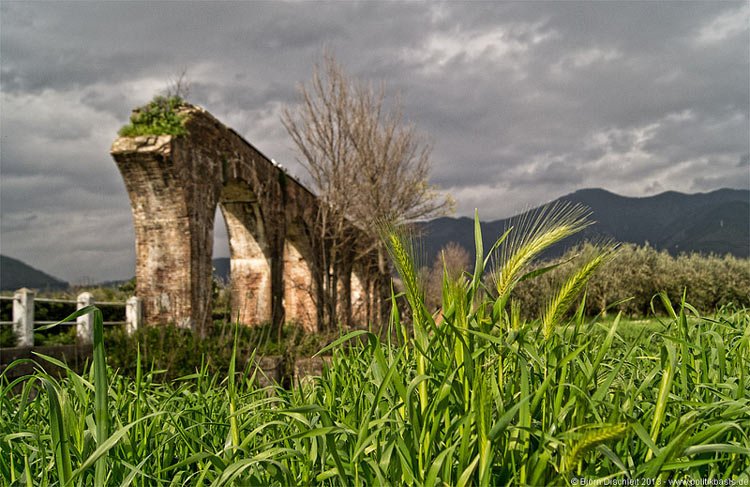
x,y
178,86
367,165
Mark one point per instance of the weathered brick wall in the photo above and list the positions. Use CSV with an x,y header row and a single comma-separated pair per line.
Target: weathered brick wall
x,y
175,185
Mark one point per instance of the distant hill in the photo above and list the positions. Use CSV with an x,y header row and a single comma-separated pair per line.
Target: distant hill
x,y
716,222
14,274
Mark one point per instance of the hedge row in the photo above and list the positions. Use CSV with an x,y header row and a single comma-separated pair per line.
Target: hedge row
x,y
636,274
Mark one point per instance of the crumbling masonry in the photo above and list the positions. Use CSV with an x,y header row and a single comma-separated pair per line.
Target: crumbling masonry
x,y
175,184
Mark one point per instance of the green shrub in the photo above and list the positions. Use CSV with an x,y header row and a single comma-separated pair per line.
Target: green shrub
x,y
178,351
159,117
7,338
636,274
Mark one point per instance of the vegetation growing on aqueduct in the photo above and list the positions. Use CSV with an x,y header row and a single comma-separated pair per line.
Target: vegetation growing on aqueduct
x,y
158,117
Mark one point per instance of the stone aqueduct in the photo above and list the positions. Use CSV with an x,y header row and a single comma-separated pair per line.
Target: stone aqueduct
x,y
175,184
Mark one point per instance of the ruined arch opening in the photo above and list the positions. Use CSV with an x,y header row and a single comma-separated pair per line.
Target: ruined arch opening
x,y
249,255
220,256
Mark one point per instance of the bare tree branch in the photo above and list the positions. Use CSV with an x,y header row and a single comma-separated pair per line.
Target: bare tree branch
x,y
178,86
368,166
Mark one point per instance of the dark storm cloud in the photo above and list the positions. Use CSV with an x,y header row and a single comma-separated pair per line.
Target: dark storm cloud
x,y
523,101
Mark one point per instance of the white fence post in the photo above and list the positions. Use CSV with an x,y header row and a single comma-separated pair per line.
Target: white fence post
x,y
23,317
133,314
85,323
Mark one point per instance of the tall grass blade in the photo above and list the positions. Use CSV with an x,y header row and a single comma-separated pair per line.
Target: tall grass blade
x,y
101,413
60,439
668,369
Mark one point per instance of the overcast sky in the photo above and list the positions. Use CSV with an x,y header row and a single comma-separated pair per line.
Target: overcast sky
x,y
524,101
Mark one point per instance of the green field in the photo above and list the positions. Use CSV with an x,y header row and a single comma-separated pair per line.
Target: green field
x,y
474,395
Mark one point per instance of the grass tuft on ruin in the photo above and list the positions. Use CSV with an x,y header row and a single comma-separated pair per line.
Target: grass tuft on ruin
x,y
159,117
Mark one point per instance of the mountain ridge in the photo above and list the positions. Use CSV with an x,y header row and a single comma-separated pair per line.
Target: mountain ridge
x,y
713,222
15,274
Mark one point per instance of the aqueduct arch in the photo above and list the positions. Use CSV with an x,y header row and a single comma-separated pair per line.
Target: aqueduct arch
x,y
175,184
